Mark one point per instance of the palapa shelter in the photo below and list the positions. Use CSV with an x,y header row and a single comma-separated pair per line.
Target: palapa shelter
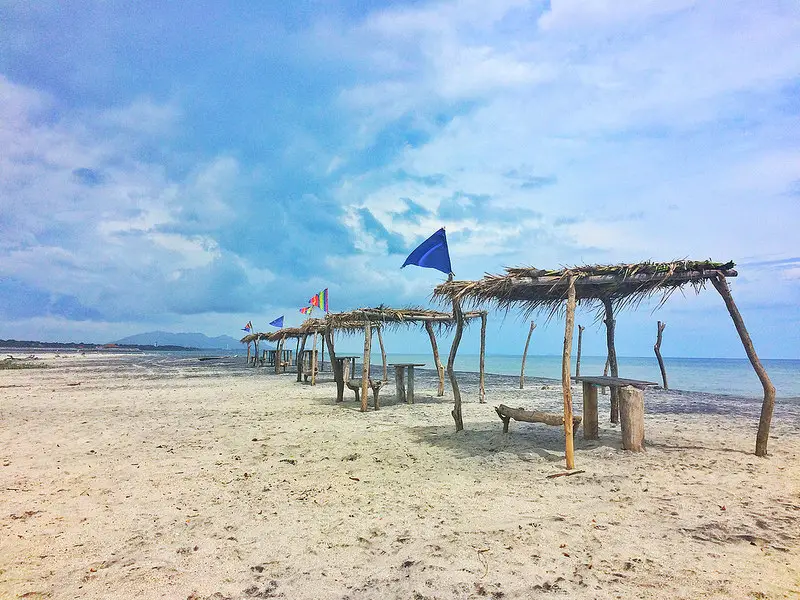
x,y
279,338
609,288
310,327
364,319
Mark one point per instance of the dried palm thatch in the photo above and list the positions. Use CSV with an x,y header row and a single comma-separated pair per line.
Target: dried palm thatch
x,y
392,318
283,333
312,325
623,285
250,338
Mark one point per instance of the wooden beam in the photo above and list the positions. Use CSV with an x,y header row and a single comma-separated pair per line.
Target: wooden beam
x,y
566,374
482,382
525,356
762,438
365,368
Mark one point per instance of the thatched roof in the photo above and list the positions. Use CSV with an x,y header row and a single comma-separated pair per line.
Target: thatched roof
x,y
250,337
623,285
387,317
285,332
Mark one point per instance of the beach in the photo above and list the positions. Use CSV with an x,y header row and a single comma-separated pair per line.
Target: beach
x,y
174,478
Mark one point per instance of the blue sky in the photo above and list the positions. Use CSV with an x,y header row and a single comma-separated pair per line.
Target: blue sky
x,y
190,166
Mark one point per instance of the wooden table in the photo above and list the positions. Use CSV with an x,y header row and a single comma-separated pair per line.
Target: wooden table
x,y
399,375
351,363
590,385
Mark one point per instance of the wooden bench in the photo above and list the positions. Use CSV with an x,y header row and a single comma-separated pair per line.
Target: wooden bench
x,y
507,413
374,384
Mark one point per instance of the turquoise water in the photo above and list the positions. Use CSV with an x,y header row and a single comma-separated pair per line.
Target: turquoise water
x,y
713,375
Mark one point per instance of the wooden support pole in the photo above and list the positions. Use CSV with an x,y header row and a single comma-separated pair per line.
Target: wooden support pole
x,y
566,374
322,356
300,354
314,361
482,382
612,356
578,358
365,368
410,386
248,353
297,350
604,389
279,354
336,366
762,438
631,409
400,385
657,350
451,361
525,356
590,429
437,361
383,354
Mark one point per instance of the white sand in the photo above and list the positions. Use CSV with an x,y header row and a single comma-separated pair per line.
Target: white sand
x,y
249,485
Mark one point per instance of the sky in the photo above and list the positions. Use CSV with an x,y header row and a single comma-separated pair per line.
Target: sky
x,y
190,166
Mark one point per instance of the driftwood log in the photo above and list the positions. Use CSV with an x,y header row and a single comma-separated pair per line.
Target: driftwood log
x,y
506,413
374,384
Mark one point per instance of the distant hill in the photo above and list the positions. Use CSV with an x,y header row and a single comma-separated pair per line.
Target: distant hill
x,y
187,340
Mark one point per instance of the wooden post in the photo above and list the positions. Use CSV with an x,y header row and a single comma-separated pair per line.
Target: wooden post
x,y
657,350
322,356
437,361
631,410
451,361
297,351
314,360
482,383
256,362
721,285
365,369
248,353
383,354
590,431
279,354
300,354
566,374
336,366
604,389
525,356
400,385
410,386
578,358
612,357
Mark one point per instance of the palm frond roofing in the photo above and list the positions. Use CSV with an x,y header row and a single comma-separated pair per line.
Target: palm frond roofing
x,y
392,318
624,285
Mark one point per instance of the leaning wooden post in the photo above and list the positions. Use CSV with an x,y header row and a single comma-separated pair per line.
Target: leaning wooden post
x,y
437,361
482,385
451,360
578,358
383,354
336,366
525,356
566,374
721,285
612,357
657,349
314,360
365,369
278,354
300,353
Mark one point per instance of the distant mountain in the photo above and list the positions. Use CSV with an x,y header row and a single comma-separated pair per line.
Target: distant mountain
x,y
187,340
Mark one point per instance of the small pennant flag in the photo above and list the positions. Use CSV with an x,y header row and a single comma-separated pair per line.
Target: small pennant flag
x,y
320,300
305,310
277,322
249,327
432,253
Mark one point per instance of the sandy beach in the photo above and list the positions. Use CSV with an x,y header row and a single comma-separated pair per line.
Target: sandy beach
x,y
194,481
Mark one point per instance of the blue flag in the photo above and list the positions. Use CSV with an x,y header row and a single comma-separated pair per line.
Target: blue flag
x,y
432,253
278,322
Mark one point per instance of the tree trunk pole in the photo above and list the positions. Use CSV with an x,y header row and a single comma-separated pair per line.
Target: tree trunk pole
x,y
365,368
278,354
383,354
300,358
451,364
322,355
525,356
437,361
566,374
297,350
657,350
721,285
336,367
248,353
314,361
604,389
578,358
612,357
482,386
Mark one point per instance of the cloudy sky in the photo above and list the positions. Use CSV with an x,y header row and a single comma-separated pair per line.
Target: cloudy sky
x,y
188,166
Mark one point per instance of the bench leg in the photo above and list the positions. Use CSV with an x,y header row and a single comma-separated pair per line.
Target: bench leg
x,y
590,430
410,397
399,384
375,392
